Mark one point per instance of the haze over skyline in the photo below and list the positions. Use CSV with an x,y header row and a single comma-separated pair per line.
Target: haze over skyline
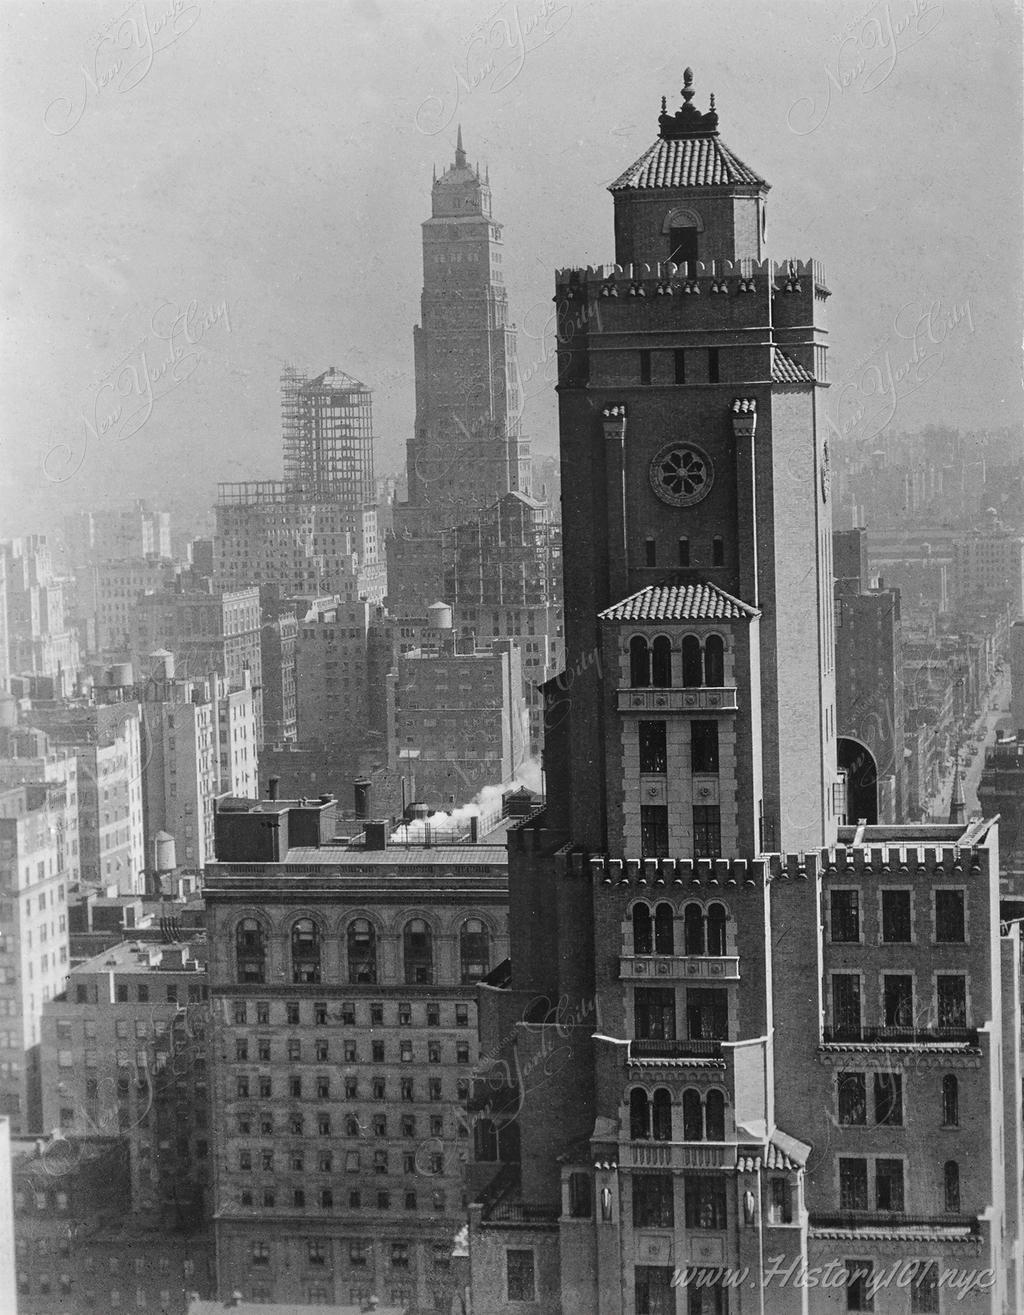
x,y
197,193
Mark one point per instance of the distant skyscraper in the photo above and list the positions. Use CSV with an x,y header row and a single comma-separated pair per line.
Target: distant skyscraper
x,y
466,449
39,641
315,531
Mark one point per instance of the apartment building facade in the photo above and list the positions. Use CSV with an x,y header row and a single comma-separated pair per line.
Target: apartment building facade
x,y
33,937
124,1054
342,981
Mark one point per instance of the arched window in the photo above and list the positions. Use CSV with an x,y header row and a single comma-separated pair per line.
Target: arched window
x,y
682,248
684,551
305,951
663,935
650,552
692,672
662,1107
642,943
716,929
950,1102
717,551
419,953
693,929
362,951
714,1115
714,661
639,1115
693,1116
951,1181
639,662
250,952
475,951
661,662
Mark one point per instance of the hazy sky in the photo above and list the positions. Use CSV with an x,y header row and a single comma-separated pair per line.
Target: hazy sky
x,y
268,164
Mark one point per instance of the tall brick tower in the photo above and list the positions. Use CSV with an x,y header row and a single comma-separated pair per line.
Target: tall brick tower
x,y
695,519
466,450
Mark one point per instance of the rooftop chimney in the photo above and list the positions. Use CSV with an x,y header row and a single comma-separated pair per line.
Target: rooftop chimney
x,y
273,786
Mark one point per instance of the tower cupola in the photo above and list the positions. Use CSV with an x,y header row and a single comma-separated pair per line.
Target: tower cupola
x,y
688,198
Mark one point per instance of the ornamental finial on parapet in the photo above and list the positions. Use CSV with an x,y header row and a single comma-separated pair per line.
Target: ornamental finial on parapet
x,y
688,120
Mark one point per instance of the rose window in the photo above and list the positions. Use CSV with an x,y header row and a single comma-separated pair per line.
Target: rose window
x,y
681,474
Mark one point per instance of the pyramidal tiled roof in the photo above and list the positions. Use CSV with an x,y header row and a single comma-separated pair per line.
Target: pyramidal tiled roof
x,y
680,602
787,371
687,162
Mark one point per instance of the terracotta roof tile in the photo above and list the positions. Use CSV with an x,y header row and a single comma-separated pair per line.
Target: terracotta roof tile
x,y
680,602
687,162
787,371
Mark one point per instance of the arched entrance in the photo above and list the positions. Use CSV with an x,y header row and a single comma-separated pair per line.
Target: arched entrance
x,y
858,762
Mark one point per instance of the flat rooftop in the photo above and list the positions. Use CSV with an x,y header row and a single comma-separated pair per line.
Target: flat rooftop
x,y
143,957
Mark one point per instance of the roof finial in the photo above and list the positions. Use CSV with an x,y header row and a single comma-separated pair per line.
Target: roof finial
x,y
460,154
687,84
435,171
688,120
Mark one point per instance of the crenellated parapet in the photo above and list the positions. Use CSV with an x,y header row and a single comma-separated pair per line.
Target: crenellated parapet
x,y
665,873
714,278
922,861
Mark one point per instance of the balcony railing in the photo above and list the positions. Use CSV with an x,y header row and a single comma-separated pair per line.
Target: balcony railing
x,y
673,1155
521,1212
704,698
899,1036
718,966
656,1048
892,1219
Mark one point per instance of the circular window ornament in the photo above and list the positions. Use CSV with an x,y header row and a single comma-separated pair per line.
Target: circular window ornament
x,y
682,474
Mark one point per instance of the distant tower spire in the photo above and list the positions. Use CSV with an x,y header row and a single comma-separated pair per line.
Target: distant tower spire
x,y
957,801
460,154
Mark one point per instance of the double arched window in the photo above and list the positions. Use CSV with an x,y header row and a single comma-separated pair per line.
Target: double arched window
x,y
362,951
653,935
650,1116
703,1117
703,664
704,929
250,952
418,953
474,950
305,951
650,663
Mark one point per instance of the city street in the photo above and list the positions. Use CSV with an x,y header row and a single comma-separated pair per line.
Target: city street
x,y
971,768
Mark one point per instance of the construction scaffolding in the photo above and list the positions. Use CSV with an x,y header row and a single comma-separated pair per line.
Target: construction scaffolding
x,y
327,431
